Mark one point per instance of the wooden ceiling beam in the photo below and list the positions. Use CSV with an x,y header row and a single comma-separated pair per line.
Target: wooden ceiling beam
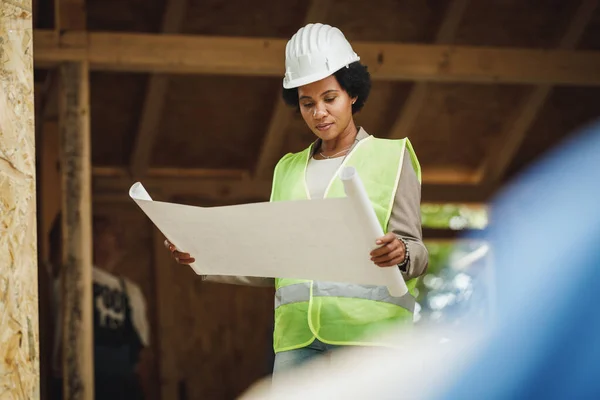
x,y
182,54
503,151
156,95
430,175
416,98
282,113
196,173
273,140
450,175
242,190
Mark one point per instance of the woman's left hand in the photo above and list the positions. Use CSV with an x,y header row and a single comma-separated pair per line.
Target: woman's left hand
x,y
391,252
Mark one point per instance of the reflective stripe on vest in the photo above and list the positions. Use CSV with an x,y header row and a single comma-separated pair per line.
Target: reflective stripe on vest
x,y
300,292
339,313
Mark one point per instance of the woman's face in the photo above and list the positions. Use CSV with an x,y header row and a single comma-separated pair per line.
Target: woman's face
x,y
325,107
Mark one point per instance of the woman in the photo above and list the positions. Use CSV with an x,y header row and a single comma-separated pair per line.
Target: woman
x,y
325,81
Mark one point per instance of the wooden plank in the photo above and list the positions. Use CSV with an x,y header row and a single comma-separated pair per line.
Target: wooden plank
x,y
154,102
507,146
450,175
76,273
163,280
273,140
439,193
50,49
50,180
430,175
181,54
49,100
282,113
416,98
198,173
19,322
116,189
49,202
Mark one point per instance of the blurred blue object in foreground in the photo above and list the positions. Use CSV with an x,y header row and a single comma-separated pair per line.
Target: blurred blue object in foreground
x,y
546,250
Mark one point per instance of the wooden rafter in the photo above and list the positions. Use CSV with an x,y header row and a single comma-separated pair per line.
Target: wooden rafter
x,y
282,113
264,57
154,102
196,173
245,189
48,100
416,98
446,176
507,146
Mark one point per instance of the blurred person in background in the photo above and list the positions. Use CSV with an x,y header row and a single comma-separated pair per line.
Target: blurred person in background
x,y
121,330
326,83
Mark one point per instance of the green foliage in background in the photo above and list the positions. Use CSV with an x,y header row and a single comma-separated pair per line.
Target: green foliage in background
x,y
445,293
453,216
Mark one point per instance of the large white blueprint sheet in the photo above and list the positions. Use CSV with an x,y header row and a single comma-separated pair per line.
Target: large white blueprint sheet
x,y
326,240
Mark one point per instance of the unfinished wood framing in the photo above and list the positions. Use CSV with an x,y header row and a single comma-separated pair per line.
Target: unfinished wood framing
x,y
431,175
50,180
231,190
76,272
198,173
505,149
282,113
19,339
416,99
49,100
156,95
181,54
68,15
163,266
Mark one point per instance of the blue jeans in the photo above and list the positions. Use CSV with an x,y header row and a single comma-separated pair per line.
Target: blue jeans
x,y
286,360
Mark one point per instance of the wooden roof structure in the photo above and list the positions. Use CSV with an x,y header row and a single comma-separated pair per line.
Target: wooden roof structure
x,y
185,94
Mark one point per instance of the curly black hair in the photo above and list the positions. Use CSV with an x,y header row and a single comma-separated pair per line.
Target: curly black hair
x,y
354,79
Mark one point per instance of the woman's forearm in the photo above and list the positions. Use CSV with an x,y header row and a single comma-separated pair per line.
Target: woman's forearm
x,y
405,219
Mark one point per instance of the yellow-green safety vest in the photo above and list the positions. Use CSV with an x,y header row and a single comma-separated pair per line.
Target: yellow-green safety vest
x,y
340,313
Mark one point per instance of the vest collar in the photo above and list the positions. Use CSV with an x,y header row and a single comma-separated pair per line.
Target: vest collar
x,y
362,134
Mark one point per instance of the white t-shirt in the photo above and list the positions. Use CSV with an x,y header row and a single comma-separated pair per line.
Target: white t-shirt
x,y
319,174
109,282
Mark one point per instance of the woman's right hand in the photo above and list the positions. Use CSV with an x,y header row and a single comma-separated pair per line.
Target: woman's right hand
x,y
178,256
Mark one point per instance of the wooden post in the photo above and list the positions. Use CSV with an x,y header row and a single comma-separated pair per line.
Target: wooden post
x,y
164,288
49,199
49,179
19,348
76,274
156,97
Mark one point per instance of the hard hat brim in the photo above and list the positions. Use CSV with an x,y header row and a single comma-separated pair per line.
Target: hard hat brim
x,y
305,80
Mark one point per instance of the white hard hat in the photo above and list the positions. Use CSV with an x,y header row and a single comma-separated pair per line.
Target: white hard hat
x,y
315,52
